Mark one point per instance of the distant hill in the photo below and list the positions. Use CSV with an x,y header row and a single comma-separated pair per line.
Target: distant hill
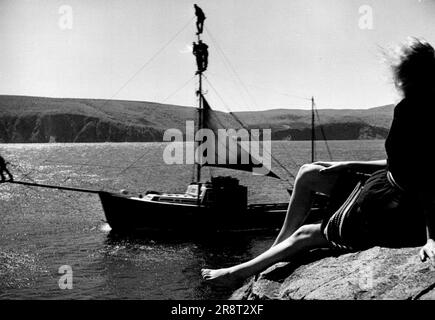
x,y
338,124
38,119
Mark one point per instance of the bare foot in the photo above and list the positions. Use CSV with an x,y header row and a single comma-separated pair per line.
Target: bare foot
x,y
223,276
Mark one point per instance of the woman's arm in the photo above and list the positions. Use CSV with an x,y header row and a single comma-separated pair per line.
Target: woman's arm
x,y
428,250
430,222
361,166
368,166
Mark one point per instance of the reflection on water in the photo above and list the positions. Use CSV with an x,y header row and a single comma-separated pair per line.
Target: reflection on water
x,y
41,230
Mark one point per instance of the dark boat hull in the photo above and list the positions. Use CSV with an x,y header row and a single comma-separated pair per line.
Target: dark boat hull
x,y
127,214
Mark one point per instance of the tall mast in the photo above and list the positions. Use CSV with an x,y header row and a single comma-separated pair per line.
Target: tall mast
x,y
200,52
200,116
313,132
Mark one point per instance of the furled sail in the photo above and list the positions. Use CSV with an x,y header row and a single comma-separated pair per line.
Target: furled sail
x,y
231,147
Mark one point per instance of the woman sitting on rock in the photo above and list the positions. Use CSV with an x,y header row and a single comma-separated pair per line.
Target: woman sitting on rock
x,y
395,207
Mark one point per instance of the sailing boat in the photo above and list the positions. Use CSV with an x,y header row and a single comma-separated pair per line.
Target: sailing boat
x,y
218,205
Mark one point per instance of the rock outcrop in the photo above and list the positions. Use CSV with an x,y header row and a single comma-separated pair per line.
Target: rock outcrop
x,y
72,128
333,131
377,273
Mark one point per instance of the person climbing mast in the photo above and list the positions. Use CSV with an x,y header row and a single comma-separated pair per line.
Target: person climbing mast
x,y
200,17
200,50
198,56
203,49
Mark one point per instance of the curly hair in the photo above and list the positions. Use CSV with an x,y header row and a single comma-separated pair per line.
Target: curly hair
x,y
413,67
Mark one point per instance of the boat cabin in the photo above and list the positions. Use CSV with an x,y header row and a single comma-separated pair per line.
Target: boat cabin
x,y
222,193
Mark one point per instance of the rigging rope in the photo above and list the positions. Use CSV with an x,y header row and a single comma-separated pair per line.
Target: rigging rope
x,y
244,127
140,70
216,118
148,62
35,191
93,165
24,175
151,59
178,90
228,64
231,68
268,89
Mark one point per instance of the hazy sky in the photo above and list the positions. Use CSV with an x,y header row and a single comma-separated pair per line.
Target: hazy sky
x,y
281,50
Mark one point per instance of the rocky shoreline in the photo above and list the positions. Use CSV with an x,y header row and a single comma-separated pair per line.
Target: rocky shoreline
x,y
374,274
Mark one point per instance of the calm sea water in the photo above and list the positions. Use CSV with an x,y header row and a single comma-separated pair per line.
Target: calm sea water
x,y
42,230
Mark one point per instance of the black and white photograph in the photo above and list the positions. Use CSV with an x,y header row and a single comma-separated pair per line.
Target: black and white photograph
x,y
233,151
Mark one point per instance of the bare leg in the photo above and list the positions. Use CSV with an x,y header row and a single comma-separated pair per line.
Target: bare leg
x,y
308,181
305,238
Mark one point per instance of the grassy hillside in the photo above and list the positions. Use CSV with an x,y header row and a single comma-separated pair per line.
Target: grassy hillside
x,y
282,118
38,119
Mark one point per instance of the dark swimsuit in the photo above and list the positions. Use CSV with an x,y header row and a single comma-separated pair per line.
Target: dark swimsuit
x,y
385,210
